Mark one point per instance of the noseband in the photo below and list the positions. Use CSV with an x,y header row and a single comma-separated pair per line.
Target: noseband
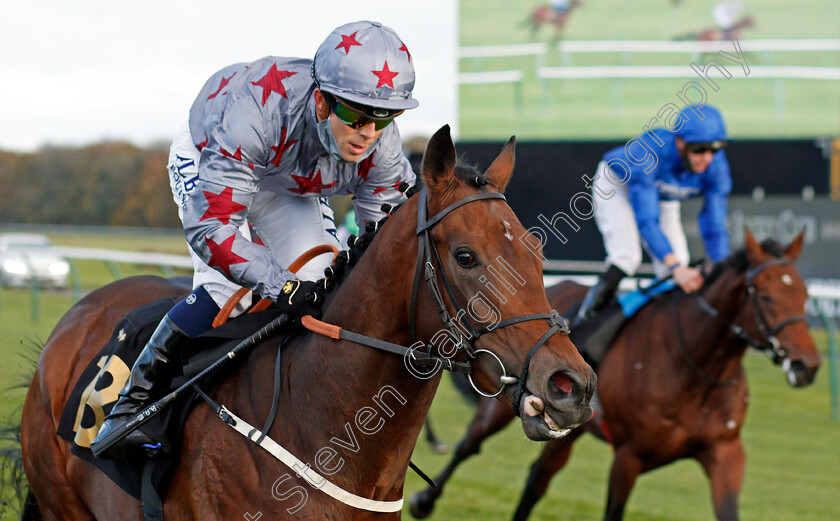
x,y
769,344
466,335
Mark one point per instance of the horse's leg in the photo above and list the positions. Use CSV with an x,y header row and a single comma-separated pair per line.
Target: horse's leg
x,y
724,464
491,416
626,467
554,457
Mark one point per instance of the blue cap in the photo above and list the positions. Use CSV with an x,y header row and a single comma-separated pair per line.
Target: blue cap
x,y
706,130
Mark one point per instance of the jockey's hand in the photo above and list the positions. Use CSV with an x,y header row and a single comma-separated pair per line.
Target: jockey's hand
x,y
689,279
301,297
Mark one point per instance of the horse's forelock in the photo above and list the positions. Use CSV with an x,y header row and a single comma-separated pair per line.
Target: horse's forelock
x,y
738,260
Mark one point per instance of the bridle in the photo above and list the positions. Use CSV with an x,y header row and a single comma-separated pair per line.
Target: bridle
x,y
768,343
467,334
458,327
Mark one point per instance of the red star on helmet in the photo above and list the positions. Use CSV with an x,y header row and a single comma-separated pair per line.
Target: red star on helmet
x,y
282,147
221,255
347,42
221,206
365,165
236,155
404,48
225,81
310,184
386,77
273,82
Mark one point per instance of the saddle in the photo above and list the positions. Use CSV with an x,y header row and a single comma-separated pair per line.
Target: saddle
x,y
593,336
97,389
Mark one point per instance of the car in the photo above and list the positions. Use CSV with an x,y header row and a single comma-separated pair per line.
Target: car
x,y
26,258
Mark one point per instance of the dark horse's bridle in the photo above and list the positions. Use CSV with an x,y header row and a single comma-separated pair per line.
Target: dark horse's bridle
x,y
427,258
769,344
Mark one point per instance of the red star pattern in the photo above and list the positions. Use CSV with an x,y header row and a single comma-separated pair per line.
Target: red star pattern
x,y
236,155
365,165
200,146
310,184
225,81
221,255
282,147
384,188
404,48
221,206
386,77
347,42
273,82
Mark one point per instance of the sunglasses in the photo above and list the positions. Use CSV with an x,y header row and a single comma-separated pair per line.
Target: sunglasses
x,y
702,148
357,118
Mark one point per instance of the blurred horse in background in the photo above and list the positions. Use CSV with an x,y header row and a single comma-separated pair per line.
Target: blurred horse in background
x,y
672,385
554,15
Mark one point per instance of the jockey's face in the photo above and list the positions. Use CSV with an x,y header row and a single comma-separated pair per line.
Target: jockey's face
x,y
352,143
695,161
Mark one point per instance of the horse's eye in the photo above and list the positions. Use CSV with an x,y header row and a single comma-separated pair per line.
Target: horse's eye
x,y
465,259
767,299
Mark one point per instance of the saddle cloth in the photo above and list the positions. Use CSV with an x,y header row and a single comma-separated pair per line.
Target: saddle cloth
x,y
594,336
97,389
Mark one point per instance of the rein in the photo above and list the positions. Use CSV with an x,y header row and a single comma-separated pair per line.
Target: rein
x,y
769,344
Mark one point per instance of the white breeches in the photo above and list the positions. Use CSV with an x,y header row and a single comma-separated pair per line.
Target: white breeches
x,y
616,221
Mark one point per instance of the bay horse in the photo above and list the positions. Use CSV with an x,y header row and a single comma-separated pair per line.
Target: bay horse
x,y
672,385
549,15
713,34
353,412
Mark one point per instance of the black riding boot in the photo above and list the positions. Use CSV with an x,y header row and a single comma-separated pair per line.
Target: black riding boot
x,y
151,373
600,294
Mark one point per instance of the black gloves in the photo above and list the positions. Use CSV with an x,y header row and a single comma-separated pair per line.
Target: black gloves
x,y
301,297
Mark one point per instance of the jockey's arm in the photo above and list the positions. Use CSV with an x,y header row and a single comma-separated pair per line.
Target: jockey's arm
x,y
219,206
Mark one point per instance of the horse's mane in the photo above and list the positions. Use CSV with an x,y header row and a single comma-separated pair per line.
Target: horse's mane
x,y
464,171
739,262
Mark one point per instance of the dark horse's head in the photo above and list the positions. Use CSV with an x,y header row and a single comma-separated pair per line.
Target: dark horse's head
x,y
499,280
773,308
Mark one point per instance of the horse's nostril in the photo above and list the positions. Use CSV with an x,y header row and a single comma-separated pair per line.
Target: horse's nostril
x,y
563,382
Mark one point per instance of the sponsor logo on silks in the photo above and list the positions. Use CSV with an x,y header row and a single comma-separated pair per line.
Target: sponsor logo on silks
x,y
676,191
191,299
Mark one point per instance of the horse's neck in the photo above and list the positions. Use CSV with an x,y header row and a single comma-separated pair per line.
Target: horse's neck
x,y
707,340
358,391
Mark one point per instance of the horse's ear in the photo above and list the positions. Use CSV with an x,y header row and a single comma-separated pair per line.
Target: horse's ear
x,y
755,253
794,249
499,172
438,165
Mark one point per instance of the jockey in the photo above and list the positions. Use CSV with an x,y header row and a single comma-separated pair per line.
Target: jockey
x,y
638,199
265,144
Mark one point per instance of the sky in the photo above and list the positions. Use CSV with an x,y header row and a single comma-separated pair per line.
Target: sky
x,y
73,73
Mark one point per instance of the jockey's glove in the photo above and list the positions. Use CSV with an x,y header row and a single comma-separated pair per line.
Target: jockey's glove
x,y
301,297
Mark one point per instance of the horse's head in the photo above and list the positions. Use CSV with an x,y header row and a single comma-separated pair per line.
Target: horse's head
x,y
777,296
492,286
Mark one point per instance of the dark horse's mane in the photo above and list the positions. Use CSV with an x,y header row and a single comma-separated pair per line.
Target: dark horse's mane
x,y
738,260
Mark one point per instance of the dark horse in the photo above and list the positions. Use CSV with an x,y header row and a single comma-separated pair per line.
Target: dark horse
x,y
548,15
713,34
364,398
672,385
